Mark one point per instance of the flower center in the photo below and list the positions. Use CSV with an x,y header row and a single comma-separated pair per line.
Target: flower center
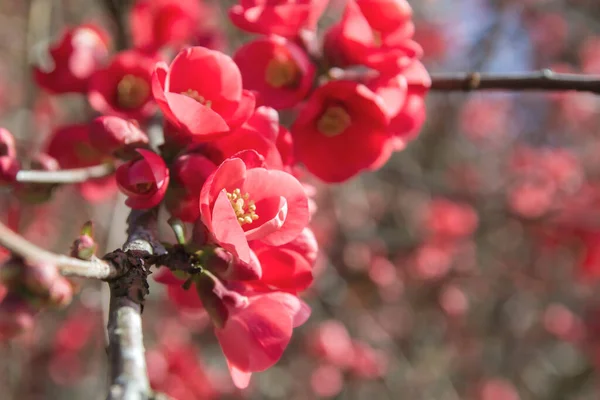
x,y
244,208
132,91
333,121
281,72
193,94
143,187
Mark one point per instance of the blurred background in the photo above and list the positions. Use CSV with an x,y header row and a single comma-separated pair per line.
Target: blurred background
x,y
466,268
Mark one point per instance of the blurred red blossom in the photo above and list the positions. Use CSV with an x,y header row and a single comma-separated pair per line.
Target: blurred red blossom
x,y
280,17
123,88
67,65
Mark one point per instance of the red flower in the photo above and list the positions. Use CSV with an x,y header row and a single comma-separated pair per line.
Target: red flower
x,y
116,136
341,130
70,145
69,63
256,333
206,105
9,165
375,33
189,172
124,87
144,181
279,70
159,23
240,203
280,17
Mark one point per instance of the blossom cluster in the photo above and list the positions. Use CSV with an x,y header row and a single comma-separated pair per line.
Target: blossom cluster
x,y
228,165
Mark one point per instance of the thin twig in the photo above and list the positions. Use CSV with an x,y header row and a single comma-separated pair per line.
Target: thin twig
x,y
76,175
68,266
544,80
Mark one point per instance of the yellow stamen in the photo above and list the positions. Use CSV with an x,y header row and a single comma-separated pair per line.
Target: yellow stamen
x,y
282,72
244,208
132,91
334,121
193,94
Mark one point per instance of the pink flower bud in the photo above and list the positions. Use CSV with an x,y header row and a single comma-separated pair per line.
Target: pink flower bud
x,y
144,180
40,278
61,293
84,247
116,136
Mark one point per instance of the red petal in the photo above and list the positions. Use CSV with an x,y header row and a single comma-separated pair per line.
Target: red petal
x,y
227,230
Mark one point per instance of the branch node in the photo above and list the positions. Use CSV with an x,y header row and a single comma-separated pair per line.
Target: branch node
x,y
132,281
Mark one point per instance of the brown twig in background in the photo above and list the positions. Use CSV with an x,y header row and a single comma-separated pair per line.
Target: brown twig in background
x,y
544,80
116,9
76,175
68,266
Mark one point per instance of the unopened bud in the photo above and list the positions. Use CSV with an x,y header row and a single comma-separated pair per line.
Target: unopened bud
x,y
40,278
84,248
116,136
61,293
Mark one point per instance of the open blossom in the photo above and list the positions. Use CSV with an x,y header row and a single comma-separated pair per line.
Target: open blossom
x,y
206,105
159,23
280,17
123,88
375,33
66,66
342,130
144,180
70,145
241,203
278,69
